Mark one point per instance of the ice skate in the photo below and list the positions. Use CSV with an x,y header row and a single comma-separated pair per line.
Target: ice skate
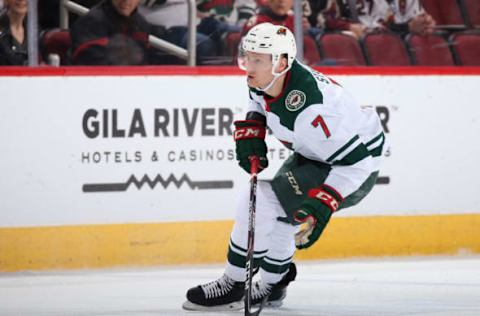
x,y
276,292
223,294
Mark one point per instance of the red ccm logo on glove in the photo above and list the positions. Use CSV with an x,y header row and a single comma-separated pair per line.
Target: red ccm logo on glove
x,y
249,132
325,197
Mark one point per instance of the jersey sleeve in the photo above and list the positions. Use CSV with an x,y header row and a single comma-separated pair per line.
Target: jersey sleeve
x,y
325,135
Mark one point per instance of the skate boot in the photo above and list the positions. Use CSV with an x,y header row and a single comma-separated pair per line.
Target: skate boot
x,y
223,294
275,292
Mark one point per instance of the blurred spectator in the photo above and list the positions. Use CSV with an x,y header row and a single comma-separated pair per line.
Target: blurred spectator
x,y
84,3
87,3
366,16
234,12
49,12
169,20
313,10
410,17
164,14
112,33
1,5
279,12
220,17
13,33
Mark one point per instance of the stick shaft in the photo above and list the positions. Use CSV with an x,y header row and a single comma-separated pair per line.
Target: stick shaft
x,y
251,235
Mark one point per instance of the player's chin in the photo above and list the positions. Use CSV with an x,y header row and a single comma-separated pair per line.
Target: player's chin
x,y
252,83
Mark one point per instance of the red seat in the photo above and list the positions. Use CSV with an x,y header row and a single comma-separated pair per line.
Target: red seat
x,y
56,41
262,3
466,47
311,56
430,50
472,9
445,12
343,49
232,41
385,49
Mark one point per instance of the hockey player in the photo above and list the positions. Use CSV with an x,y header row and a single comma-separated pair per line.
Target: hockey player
x,y
337,149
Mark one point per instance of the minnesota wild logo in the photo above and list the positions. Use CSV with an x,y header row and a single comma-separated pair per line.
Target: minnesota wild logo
x,y
282,31
295,100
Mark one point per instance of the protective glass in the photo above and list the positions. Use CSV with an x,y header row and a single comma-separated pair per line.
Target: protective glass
x,y
249,61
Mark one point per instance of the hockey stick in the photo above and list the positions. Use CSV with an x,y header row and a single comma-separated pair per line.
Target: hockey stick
x,y
251,237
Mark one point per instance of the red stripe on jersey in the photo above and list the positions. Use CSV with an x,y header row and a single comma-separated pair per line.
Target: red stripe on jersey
x,y
333,81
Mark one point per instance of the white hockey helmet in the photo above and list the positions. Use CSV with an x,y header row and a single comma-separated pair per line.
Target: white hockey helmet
x,y
267,38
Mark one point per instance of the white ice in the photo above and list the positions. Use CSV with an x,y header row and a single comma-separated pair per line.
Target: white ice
x,y
384,286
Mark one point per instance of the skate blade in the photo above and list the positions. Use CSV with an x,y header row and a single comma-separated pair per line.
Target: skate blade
x,y
235,306
273,304
270,304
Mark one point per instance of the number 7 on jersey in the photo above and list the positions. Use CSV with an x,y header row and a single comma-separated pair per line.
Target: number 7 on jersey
x,y
319,121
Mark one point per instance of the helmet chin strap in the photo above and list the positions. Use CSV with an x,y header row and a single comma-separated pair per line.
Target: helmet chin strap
x,y
275,77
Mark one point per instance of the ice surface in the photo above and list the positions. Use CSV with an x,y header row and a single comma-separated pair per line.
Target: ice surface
x,y
384,286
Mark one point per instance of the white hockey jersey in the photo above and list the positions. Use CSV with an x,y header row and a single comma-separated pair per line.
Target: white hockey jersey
x,y
373,14
405,10
318,119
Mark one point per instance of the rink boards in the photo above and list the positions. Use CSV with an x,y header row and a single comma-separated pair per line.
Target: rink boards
x,y
114,245
113,167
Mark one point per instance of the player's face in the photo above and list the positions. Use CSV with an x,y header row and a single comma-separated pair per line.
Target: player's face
x,y
125,7
258,68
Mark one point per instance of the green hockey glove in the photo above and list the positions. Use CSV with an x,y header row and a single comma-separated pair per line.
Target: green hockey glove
x,y
314,214
249,138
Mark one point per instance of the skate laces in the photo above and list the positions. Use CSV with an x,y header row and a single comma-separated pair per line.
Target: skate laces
x,y
261,290
218,287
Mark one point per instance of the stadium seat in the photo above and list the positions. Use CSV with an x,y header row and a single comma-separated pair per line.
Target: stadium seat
x,y
311,56
56,41
472,9
466,47
385,49
447,13
342,49
430,50
232,40
262,3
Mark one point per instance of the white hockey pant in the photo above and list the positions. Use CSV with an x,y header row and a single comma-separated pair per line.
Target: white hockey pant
x,y
274,240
